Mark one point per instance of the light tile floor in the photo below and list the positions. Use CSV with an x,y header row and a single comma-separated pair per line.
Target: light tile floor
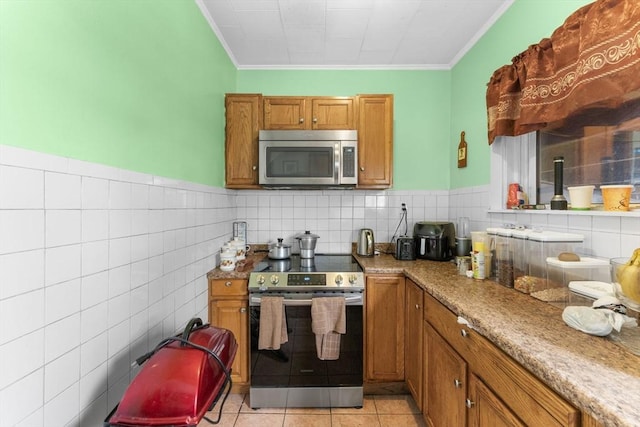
x,y
377,411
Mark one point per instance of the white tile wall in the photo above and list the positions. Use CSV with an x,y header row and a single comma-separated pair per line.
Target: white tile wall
x,y
97,265
335,215
606,234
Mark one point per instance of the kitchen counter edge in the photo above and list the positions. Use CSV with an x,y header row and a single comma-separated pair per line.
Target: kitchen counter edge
x,y
596,375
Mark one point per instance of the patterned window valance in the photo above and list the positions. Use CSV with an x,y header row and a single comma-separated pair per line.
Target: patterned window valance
x,y
591,62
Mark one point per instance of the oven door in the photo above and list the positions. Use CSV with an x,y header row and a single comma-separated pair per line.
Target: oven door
x,y
294,376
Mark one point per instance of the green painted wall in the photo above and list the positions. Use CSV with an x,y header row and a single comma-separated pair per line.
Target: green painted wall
x,y
421,112
133,84
140,85
525,23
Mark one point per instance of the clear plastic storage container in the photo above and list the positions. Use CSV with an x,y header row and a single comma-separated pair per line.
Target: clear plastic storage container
x,y
540,246
586,280
519,238
504,257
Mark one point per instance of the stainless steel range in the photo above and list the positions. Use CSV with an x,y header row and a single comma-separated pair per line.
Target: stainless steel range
x,y
293,375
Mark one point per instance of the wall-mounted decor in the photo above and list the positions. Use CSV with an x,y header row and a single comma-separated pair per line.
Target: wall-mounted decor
x,y
462,152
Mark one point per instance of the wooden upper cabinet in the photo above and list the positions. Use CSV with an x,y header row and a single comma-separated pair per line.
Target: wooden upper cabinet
x,y
285,113
375,141
304,113
333,113
243,114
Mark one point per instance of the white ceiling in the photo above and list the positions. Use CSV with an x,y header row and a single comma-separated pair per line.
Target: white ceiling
x,y
349,34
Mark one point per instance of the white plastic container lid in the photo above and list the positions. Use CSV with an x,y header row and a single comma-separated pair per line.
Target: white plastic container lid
x,y
521,233
591,288
555,236
585,262
506,232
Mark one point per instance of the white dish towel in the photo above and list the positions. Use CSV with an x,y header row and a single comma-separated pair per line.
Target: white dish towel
x,y
328,321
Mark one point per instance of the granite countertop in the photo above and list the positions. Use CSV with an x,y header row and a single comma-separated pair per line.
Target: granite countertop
x,y
595,374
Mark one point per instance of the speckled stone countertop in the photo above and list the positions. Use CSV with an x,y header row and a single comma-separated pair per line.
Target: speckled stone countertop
x,y
596,375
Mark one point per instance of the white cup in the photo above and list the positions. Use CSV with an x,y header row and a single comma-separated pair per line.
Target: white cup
x,y
581,197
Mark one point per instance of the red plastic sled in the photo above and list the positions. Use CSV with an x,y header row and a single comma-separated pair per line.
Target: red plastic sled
x,y
182,379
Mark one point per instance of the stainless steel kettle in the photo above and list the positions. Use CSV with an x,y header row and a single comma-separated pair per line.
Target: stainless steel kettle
x,y
365,244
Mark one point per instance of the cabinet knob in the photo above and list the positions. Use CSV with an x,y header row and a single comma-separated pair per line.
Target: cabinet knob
x,y
469,403
227,284
464,332
243,310
362,168
315,120
301,120
255,168
417,307
457,383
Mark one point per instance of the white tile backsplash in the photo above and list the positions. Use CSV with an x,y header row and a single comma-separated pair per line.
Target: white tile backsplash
x,y
606,235
96,263
127,255
61,337
62,191
21,230
21,188
21,272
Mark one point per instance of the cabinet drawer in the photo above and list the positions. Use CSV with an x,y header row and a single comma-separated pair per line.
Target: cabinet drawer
x,y
460,337
228,287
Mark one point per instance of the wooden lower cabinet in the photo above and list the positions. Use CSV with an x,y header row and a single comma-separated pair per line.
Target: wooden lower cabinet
x,y
413,337
384,328
445,382
471,382
486,409
229,309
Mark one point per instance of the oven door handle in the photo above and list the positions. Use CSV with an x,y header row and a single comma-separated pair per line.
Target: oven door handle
x,y
350,300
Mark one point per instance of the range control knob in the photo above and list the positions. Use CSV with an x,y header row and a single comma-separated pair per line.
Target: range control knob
x,y
260,280
274,279
339,279
353,279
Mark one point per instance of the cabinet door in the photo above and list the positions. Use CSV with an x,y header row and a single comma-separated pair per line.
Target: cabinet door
x,y
286,113
333,113
233,314
243,117
384,338
375,141
486,409
446,382
413,337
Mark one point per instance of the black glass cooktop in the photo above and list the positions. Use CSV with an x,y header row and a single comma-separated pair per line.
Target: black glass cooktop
x,y
320,263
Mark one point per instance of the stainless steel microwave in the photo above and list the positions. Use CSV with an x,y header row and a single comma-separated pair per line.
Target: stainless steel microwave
x,y
313,158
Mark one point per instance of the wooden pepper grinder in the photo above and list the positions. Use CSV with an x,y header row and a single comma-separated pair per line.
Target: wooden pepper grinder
x,y
462,152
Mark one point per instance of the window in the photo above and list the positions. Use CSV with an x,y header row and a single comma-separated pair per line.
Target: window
x,y
594,153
